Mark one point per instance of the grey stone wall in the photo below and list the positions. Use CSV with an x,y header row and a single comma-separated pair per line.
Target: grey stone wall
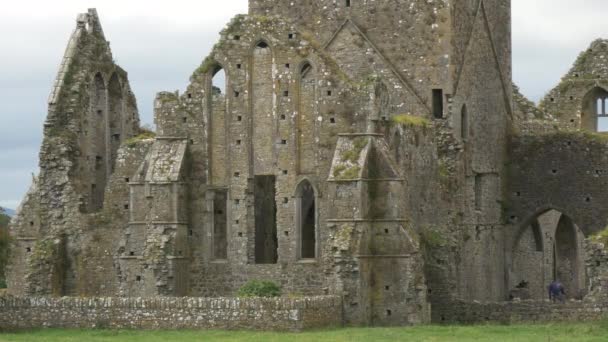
x,y
171,313
461,312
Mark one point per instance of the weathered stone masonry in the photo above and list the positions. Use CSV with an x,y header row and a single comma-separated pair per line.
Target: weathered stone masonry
x,y
372,150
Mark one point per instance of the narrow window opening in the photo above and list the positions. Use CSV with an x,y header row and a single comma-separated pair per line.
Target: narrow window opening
x,y
138,278
283,142
131,253
127,180
464,123
266,241
329,93
28,249
283,117
236,94
189,95
287,65
237,37
126,206
239,118
306,218
286,93
262,45
290,36
185,119
238,66
31,223
332,120
347,3
220,242
478,192
438,103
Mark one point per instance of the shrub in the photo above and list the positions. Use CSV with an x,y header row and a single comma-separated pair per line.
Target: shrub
x,y
258,288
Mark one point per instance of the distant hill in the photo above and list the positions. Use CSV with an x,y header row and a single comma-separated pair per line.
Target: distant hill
x,y
7,211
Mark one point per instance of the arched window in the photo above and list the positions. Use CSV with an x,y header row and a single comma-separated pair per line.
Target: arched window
x,y
115,118
219,80
306,120
217,108
594,114
306,220
464,123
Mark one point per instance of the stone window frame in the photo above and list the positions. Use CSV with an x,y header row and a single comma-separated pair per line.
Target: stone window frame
x,y
298,219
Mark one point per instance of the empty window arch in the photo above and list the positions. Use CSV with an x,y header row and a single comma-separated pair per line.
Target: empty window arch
x,y
306,220
218,80
594,112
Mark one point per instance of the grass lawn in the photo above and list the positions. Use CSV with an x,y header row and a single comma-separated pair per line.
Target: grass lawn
x,y
578,332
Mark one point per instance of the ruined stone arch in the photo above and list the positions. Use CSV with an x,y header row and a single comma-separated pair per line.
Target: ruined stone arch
x,y
594,110
546,246
307,219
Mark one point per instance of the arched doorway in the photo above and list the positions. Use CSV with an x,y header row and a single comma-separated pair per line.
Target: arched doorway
x,y
594,114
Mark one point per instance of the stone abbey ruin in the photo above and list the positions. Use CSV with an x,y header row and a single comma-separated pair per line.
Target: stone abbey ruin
x,y
372,152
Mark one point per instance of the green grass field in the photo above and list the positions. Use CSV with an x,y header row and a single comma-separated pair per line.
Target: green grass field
x,y
495,333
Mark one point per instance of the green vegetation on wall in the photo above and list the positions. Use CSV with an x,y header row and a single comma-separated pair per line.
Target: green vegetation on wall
x,y
259,288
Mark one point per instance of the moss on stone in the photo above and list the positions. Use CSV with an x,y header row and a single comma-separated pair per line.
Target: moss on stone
x,y
350,173
144,135
600,237
339,169
432,238
411,120
353,155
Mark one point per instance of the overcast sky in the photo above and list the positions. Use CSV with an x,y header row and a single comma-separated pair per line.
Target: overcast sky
x,y
160,43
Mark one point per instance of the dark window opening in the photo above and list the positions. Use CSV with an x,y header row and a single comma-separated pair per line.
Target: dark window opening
x,y
189,95
438,103
237,37
286,93
329,93
287,65
238,66
32,223
131,253
262,45
220,242
283,117
290,36
239,118
266,241
478,192
347,3
332,120
138,278
306,217
127,206
126,180
464,123
236,94
28,249
185,119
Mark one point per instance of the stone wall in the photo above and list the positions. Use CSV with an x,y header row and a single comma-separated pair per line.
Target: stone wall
x,y
525,311
282,314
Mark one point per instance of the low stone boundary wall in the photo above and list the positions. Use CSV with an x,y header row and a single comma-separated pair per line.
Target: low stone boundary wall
x,y
281,314
523,312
